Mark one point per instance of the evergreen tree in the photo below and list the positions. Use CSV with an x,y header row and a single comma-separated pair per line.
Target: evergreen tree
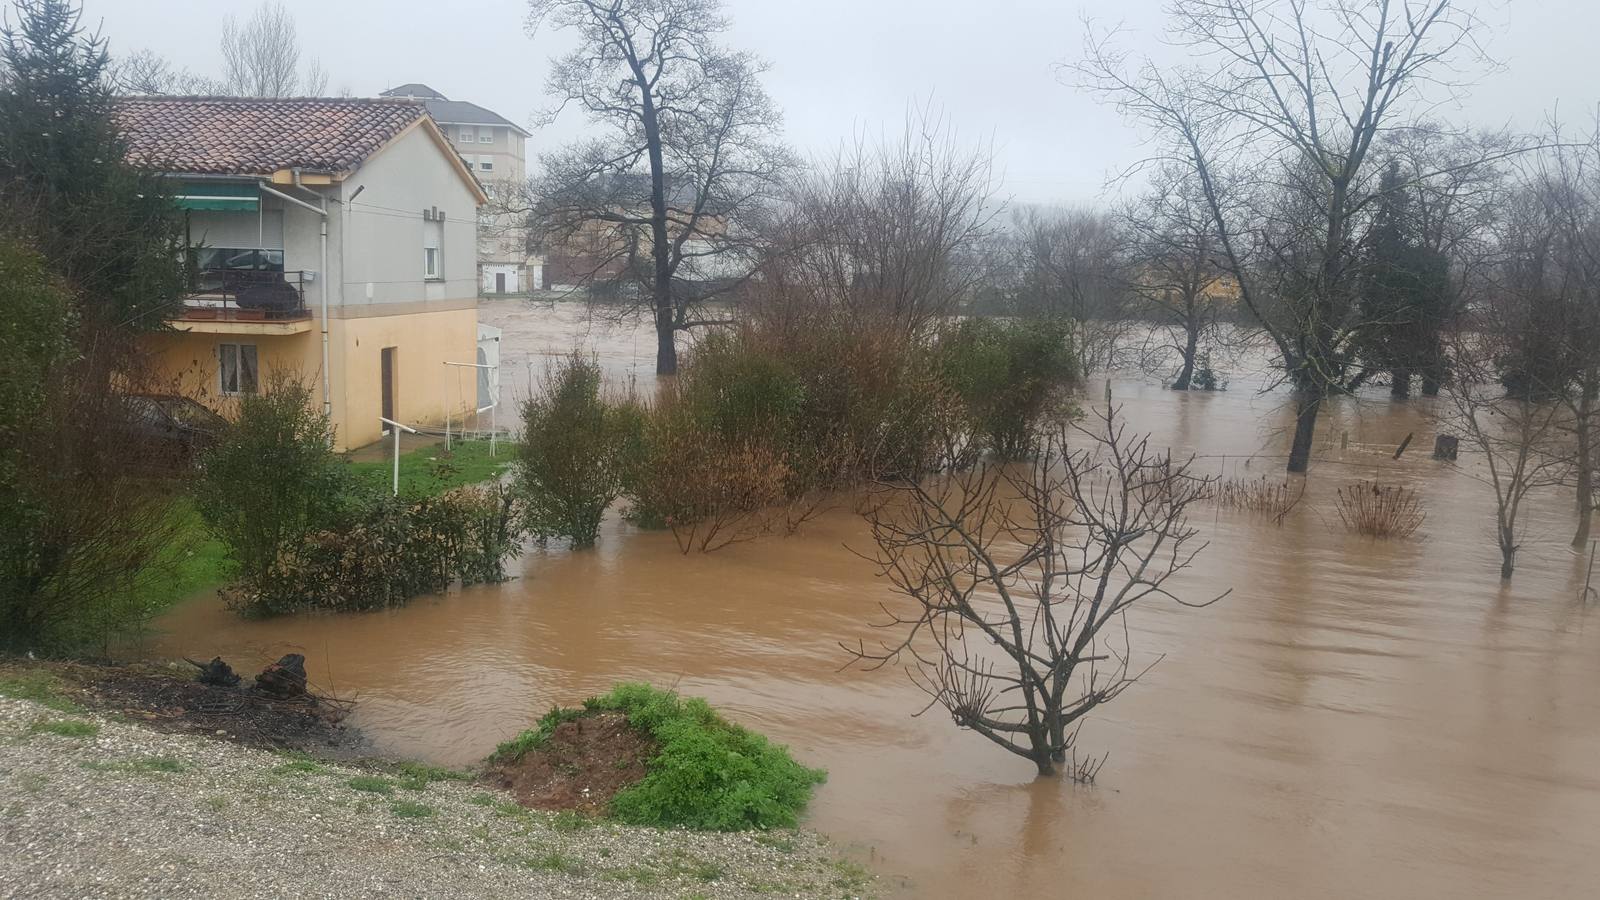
x,y
66,187
1405,295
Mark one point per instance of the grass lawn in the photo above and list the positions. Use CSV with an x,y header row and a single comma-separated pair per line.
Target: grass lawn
x,y
433,470
195,561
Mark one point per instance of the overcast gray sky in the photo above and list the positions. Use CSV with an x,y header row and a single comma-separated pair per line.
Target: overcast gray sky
x,y
843,65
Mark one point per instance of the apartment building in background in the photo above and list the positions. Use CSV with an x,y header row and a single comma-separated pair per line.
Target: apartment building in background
x,y
334,239
496,150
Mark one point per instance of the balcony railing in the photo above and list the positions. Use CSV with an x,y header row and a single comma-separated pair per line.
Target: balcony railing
x,y
246,295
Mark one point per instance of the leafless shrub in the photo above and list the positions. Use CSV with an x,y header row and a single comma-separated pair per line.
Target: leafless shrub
x,y
1380,510
1019,579
1265,495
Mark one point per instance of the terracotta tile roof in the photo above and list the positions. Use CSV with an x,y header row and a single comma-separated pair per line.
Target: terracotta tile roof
x,y
258,136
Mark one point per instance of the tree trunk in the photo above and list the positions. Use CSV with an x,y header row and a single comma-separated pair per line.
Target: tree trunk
x,y
1190,347
1585,455
1508,559
661,250
1308,401
1400,383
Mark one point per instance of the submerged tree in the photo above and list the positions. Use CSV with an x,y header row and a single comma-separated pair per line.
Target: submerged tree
x,y
1405,294
689,152
1285,107
1019,580
1176,281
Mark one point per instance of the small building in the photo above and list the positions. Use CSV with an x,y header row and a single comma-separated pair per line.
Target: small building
x,y
332,238
496,150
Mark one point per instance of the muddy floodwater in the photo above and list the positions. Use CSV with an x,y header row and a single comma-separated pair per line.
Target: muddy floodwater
x,y
1357,719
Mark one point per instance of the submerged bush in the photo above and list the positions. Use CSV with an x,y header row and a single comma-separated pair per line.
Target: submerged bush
x,y
575,448
388,551
1007,374
708,773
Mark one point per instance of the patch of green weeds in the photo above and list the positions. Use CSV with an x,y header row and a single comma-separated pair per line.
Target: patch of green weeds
x,y
482,799
73,728
849,875
39,687
156,765
514,749
555,862
32,782
643,875
217,803
409,809
372,784
569,821
779,841
299,764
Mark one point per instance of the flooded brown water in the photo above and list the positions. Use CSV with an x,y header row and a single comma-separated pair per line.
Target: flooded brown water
x,y
1358,719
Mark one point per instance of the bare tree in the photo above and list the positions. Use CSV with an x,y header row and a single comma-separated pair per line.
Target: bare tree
x,y
1020,579
690,152
1072,266
1176,281
1550,276
1289,99
1517,435
892,233
145,73
261,58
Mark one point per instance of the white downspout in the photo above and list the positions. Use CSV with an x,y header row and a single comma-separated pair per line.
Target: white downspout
x,y
327,386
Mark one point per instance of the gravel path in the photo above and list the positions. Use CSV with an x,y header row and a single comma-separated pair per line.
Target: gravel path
x,y
91,807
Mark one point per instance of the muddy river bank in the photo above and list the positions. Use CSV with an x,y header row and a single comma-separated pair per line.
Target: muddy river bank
x,y
1358,718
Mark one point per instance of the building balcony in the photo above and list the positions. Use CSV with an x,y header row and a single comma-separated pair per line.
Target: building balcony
x,y
246,301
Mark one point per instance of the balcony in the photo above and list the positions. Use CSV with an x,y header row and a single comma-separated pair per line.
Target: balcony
x,y
242,300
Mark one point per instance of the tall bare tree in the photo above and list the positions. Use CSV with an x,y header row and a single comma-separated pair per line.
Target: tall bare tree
x,y
261,58
1019,580
1550,276
1175,279
890,233
1286,104
689,154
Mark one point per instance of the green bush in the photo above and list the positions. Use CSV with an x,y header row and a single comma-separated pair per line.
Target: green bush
x,y
1007,374
575,449
708,774
273,476
389,551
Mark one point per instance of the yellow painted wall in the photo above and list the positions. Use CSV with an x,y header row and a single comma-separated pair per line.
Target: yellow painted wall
x,y
187,363
424,342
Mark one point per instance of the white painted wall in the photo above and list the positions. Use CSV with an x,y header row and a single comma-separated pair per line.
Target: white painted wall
x,y
386,230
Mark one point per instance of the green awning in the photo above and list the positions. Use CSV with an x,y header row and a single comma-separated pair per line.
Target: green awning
x,y
218,195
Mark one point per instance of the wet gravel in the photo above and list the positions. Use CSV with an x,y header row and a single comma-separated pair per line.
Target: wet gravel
x,y
129,812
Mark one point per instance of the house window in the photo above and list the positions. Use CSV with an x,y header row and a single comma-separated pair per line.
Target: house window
x,y
238,370
486,163
466,135
432,254
486,135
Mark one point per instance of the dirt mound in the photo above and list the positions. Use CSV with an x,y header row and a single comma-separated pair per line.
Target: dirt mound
x,y
581,766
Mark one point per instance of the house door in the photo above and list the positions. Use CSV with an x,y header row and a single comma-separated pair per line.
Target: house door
x,y
499,282
386,375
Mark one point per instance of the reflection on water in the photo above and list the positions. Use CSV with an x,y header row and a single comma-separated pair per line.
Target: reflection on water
x,y
1356,719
